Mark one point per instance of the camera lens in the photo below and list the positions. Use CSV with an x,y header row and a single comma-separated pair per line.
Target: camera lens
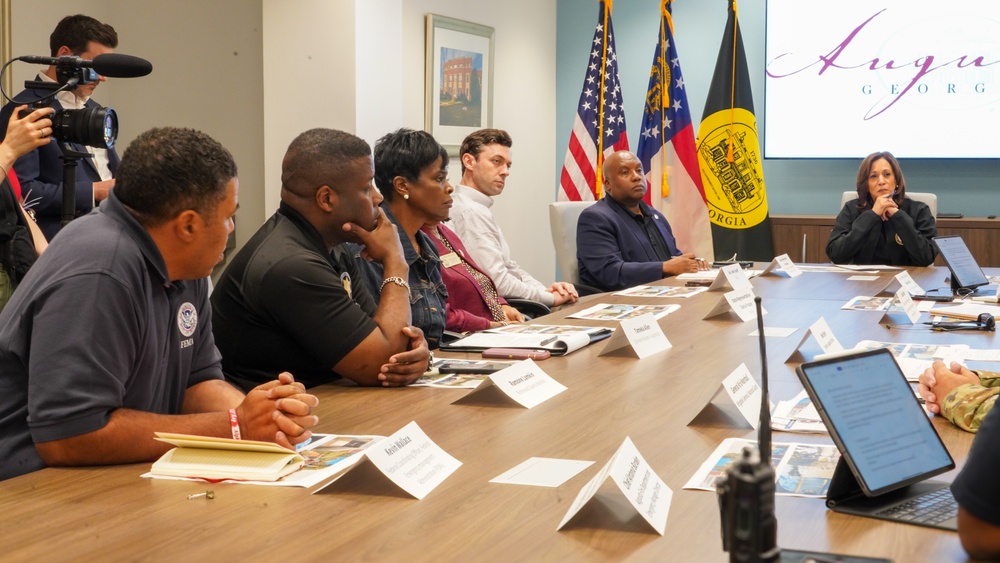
x,y
94,127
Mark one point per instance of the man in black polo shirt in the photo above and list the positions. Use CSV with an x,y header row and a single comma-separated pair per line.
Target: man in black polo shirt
x,y
622,242
109,337
293,299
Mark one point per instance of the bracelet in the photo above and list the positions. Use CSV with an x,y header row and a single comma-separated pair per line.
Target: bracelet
x,y
234,421
398,281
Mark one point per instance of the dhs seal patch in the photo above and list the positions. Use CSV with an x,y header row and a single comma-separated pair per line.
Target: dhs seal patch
x,y
345,279
187,319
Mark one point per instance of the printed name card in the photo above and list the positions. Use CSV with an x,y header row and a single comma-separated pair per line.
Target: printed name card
x,y
412,461
733,277
635,478
643,333
744,392
910,307
905,281
740,302
742,388
819,330
524,382
786,265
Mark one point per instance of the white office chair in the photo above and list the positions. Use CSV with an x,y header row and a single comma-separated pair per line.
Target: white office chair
x,y
923,197
563,217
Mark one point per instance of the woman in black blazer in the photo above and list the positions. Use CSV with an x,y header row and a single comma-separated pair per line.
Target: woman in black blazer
x,y
883,226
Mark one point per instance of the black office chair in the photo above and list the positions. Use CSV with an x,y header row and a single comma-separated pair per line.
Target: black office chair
x,y
530,309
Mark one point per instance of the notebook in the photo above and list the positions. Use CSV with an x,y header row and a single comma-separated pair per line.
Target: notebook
x,y
889,448
965,271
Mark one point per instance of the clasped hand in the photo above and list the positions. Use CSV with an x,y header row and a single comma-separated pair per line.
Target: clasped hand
x,y
939,380
278,411
885,207
406,367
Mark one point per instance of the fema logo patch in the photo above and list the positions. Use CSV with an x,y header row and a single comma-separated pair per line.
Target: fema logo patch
x,y
187,319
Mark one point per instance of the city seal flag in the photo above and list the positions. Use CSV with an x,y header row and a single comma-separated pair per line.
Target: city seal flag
x,y
730,158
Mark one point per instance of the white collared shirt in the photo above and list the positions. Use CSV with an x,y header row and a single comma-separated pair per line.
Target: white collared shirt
x,y
474,223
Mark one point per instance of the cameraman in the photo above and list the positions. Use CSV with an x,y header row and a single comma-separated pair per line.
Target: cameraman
x,y
41,170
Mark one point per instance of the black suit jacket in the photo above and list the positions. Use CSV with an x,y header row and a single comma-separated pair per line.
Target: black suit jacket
x,y
908,234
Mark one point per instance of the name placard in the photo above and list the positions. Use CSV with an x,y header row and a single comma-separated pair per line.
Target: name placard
x,y
785,264
909,306
524,382
740,302
644,335
733,277
905,281
643,488
743,389
820,330
412,460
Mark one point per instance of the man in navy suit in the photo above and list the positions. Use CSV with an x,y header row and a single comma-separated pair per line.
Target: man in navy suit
x,y
622,242
41,170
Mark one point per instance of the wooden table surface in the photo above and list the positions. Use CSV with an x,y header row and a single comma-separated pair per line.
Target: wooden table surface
x,y
109,513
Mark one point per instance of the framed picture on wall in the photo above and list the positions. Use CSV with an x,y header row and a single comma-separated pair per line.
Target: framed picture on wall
x,y
459,98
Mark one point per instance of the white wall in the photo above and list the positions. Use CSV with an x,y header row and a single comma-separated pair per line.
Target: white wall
x,y
256,73
308,76
524,105
378,87
207,74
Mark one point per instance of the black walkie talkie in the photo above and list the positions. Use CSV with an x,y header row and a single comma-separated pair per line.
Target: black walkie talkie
x,y
746,492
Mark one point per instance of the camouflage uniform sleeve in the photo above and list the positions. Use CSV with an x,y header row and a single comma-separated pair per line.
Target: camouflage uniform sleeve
x,y
967,405
988,378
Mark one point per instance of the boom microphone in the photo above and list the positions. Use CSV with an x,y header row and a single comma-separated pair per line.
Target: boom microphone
x,y
112,65
116,65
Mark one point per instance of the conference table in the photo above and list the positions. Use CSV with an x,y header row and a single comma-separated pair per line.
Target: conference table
x,y
662,402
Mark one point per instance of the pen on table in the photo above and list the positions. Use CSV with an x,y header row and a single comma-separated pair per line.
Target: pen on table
x,y
548,341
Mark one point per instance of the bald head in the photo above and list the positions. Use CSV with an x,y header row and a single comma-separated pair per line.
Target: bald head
x,y
623,179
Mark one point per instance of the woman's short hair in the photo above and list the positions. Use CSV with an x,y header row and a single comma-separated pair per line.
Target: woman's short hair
x,y
404,152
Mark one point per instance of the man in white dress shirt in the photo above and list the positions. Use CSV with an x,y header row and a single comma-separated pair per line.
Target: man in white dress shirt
x,y
486,162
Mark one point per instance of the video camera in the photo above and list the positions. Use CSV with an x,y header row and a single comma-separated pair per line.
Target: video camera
x,y
94,127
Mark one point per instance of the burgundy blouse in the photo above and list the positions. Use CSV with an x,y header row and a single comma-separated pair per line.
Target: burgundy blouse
x,y
466,309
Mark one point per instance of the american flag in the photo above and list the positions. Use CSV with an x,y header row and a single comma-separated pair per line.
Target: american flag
x,y
667,150
593,138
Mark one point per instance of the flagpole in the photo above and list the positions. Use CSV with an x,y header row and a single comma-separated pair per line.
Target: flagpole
x,y
732,93
600,125
664,96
